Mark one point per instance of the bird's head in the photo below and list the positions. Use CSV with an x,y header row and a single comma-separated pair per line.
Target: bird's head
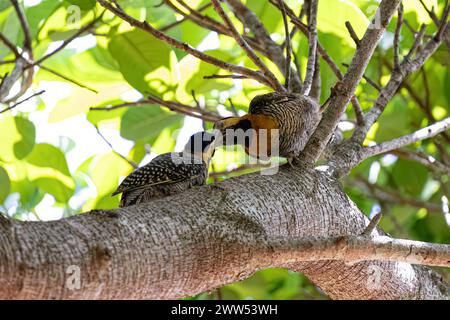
x,y
202,145
251,131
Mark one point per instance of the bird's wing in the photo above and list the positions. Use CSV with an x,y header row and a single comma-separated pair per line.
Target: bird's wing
x,y
167,168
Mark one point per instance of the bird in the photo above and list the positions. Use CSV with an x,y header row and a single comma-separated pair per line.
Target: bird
x,y
169,173
288,117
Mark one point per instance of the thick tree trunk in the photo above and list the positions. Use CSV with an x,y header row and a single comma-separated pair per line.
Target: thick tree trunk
x,y
198,240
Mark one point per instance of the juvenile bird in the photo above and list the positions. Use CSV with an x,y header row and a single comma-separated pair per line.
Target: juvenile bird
x,y
169,173
290,118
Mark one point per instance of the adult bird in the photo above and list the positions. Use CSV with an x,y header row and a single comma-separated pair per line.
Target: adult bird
x,y
169,173
284,121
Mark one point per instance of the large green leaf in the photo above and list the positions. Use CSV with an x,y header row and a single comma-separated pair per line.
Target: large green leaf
x,y
137,54
47,168
17,137
146,122
5,184
410,176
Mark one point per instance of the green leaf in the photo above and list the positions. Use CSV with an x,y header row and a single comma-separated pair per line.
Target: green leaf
x,y
17,136
5,184
146,122
47,168
137,54
410,176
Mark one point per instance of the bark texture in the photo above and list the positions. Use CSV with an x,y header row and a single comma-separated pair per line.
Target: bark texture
x,y
200,239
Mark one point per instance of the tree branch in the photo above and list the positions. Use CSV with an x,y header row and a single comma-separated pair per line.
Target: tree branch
x,y
419,135
345,88
397,31
251,222
352,249
244,45
312,46
171,105
407,67
288,47
272,50
185,47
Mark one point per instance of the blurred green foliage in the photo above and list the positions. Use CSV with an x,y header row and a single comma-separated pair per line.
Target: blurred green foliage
x,y
123,58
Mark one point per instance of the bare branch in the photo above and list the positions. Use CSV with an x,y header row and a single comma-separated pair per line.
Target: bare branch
x,y
443,23
60,75
69,40
9,44
312,47
419,135
431,13
352,33
196,17
225,76
372,225
398,29
345,88
26,29
407,67
22,101
183,46
417,41
288,47
352,249
427,160
171,105
271,49
130,162
244,45
316,86
176,23
369,81
384,194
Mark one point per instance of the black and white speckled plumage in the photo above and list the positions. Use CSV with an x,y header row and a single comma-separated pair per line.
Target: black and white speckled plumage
x,y
167,174
297,116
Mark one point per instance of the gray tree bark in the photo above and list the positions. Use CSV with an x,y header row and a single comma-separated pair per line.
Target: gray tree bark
x,y
201,239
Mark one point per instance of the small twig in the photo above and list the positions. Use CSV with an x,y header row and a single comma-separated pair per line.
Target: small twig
x,y
22,101
384,194
443,23
287,84
172,105
372,225
312,47
369,81
56,73
431,13
26,29
418,39
68,40
176,23
316,85
121,105
427,160
352,33
233,108
419,135
398,28
3,79
225,76
10,45
132,163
